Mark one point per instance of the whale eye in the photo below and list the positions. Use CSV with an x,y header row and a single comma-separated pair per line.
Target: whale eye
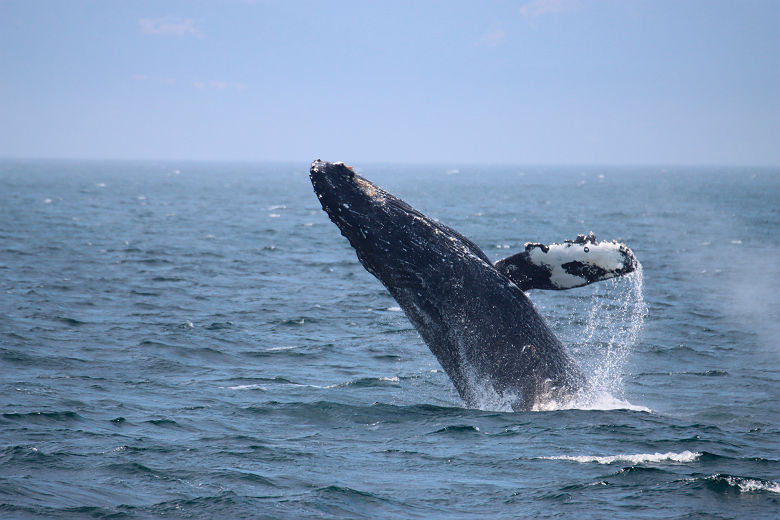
x,y
587,249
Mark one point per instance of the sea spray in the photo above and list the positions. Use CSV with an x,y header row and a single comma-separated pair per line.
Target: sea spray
x,y
599,324
613,326
606,324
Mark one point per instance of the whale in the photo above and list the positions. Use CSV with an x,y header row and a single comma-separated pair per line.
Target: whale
x,y
473,314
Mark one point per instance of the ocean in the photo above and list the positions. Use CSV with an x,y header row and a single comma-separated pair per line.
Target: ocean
x,y
197,340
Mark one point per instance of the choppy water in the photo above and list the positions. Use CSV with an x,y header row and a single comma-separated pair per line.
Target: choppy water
x,y
195,340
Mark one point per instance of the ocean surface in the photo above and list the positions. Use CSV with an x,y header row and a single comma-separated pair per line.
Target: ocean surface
x,y
197,340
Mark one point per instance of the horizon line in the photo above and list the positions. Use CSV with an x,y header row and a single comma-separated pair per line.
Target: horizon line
x,y
402,162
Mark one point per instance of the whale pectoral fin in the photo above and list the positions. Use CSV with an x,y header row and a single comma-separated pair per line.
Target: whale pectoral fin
x,y
564,266
524,273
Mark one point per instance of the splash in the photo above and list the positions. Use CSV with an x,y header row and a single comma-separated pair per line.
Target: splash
x,y
591,400
614,322
613,314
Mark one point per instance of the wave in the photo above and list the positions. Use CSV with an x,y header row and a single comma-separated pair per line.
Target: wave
x,y
259,383
43,417
724,483
364,382
30,455
639,458
246,387
164,423
458,429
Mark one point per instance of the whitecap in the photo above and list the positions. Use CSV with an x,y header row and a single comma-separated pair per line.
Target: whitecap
x,y
750,485
638,458
245,387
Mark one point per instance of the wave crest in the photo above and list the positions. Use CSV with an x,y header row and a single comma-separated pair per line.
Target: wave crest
x,y
639,458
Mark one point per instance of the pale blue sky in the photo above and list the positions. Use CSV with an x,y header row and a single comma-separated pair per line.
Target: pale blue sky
x,y
542,81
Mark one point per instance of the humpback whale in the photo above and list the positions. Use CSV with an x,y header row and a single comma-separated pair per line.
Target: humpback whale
x,y
473,314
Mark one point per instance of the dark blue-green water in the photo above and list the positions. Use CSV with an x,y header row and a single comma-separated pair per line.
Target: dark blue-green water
x,y
198,340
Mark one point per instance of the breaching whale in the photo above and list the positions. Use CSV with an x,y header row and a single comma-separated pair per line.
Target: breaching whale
x,y
473,314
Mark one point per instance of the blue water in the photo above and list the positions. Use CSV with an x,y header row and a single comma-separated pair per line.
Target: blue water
x,y
198,340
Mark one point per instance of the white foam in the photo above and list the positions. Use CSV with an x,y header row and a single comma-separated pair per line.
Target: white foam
x,y
749,485
638,458
245,387
591,400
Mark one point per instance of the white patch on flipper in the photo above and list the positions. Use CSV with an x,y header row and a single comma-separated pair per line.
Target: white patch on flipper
x,y
606,255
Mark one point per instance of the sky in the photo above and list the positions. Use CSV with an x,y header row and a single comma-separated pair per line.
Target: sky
x,y
589,82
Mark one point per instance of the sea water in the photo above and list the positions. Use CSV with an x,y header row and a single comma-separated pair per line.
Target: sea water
x,y
194,340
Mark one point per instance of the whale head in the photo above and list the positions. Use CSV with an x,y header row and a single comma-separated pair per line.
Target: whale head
x,y
350,201
369,217
336,188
